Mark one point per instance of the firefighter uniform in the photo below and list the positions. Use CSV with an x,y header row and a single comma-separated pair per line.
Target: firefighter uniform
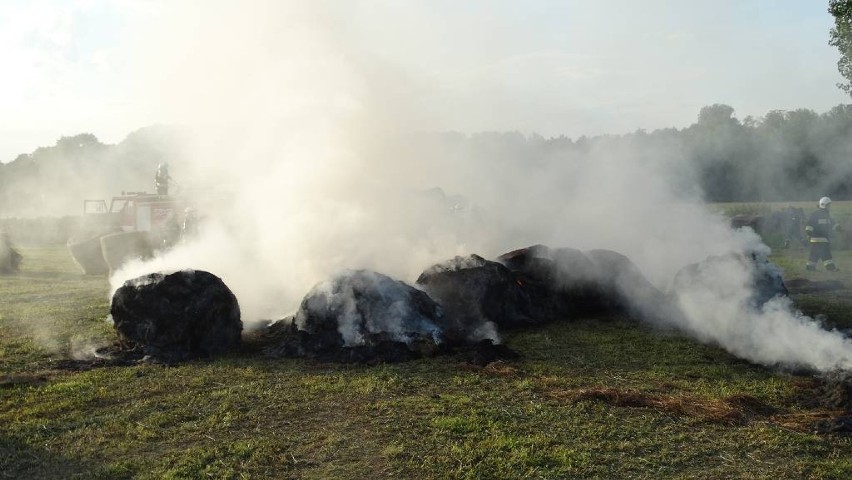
x,y
818,228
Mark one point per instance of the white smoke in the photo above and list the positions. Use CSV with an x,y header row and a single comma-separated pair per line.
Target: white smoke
x,y
388,311
719,307
303,154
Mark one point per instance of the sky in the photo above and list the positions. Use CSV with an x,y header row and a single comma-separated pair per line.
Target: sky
x,y
570,67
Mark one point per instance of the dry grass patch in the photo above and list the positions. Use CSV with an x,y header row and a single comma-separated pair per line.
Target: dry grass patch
x,y
496,369
734,409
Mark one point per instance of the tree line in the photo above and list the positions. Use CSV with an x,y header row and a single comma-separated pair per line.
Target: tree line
x,y
783,156
796,155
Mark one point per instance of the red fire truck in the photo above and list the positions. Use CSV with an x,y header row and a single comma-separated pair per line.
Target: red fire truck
x,y
133,225
160,215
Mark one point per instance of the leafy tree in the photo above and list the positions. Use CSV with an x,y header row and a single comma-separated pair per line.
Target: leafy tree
x,y
717,115
841,37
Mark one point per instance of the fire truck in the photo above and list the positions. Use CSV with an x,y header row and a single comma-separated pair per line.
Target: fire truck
x,y
159,215
133,225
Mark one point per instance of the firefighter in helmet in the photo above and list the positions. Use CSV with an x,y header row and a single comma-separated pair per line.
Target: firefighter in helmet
x,y
161,179
818,228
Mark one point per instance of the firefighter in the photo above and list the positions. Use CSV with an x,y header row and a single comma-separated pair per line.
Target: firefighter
x,y
161,180
818,228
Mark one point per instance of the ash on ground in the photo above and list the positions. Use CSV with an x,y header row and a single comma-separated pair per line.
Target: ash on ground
x,y
831,392
174,317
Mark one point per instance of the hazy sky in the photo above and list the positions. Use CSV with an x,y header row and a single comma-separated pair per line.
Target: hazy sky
x,y
572,67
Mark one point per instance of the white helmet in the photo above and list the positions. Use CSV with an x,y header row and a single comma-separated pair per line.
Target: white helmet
x,y
824,202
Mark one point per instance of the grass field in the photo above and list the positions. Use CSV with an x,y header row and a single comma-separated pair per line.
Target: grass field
x,y
602,398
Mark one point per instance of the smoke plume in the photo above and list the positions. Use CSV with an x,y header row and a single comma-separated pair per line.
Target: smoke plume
x,y
308,155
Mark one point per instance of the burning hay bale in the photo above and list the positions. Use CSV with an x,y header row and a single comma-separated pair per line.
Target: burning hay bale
x,y
717,274
566,282
624,287
361,315
186,314
10,259
559,282
474,291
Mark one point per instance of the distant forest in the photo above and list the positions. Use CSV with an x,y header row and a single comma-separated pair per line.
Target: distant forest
x,y
783,156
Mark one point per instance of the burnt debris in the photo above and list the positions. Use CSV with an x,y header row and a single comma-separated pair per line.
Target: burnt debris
x,y
283,339
183,315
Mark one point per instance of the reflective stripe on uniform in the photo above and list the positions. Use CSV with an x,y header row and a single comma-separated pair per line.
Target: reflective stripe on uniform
x,y
819,240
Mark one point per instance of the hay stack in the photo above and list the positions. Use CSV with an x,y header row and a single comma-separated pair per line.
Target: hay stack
x,y
118,248
568,283
85,248
361,316
473,291
186,314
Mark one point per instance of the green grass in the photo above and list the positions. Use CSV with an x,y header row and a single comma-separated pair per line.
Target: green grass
x,y
841,208
544,417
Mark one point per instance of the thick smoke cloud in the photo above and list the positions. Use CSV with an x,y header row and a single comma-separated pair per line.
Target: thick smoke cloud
x,y
305,161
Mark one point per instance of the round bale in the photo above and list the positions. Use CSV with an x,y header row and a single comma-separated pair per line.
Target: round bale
x,y
88,255
186,314
120,247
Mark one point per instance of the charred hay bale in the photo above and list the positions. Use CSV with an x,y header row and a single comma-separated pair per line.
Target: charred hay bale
x,y
186,314
118,248
474,291
732,276
567,282
284,339
359,315
10,259
623,287
559,283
